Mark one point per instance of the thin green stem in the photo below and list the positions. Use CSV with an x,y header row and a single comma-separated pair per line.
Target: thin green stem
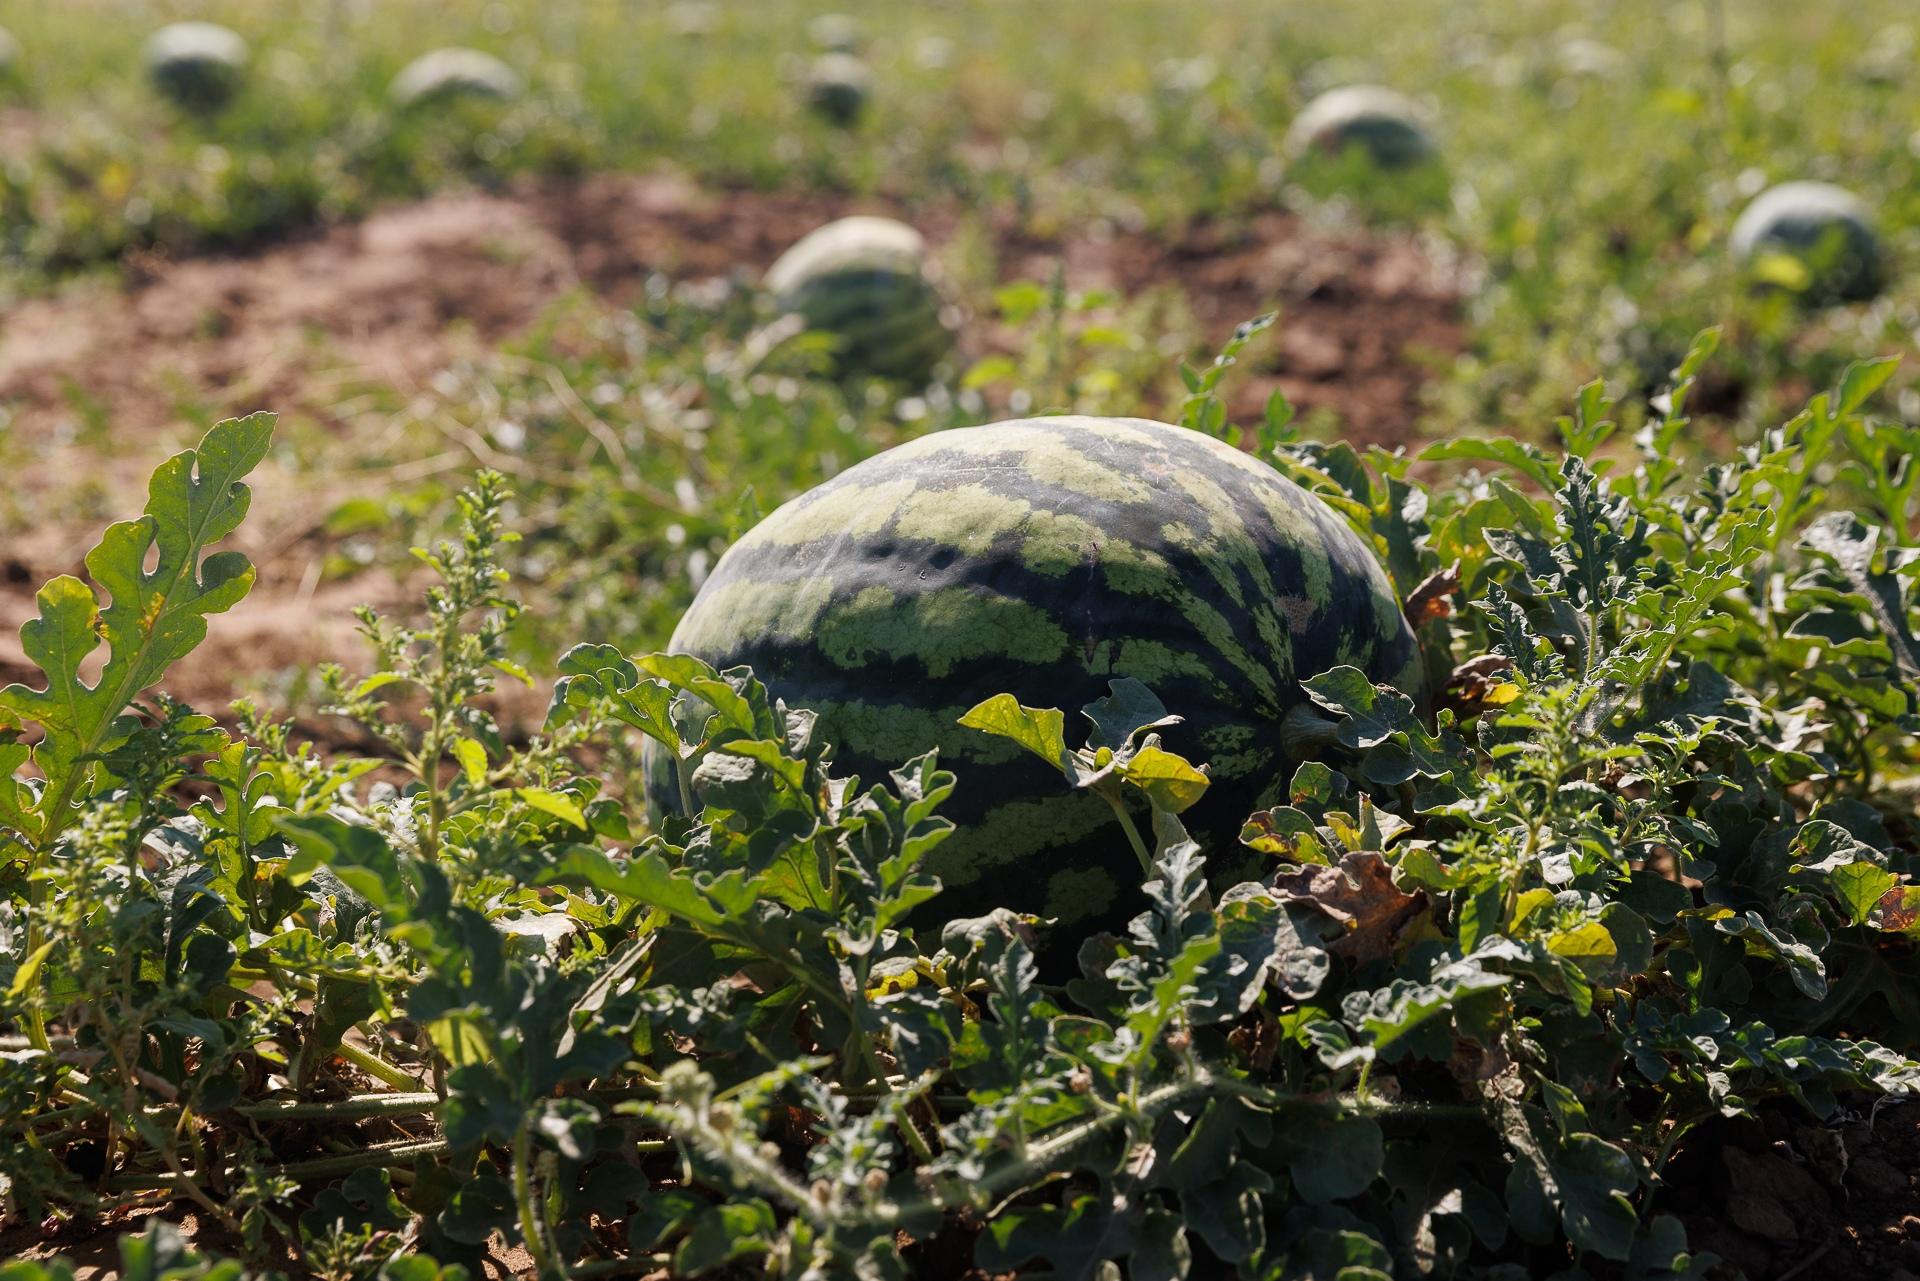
x,y
532,1229
683,779
326,1167
1133,833
358,1108
375,1066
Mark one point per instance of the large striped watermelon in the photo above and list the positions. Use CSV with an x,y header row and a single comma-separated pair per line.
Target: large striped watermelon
x,y
197,65
1044,558
864,281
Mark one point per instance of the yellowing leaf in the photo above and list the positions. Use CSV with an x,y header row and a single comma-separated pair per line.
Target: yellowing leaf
x,y
554,803
1527,904
1501,694
1588,946
1783,270
1041,730
30,970
1171,782
473,761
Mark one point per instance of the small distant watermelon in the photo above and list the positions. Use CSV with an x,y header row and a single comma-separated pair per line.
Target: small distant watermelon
x,y
834,33
864,281
1813,238
1584,58
694,17
196,65
455,73
1888,58
1384,124
838,85
1045,558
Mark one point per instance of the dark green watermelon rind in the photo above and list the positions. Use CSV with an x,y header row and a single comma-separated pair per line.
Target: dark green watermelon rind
x,y
1044,558
199,82
887,321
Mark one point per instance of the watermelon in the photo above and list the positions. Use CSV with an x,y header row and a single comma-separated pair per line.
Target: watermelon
x,y
196,65
864,281
1046,558
455,73
1584,58
1889,56
834,33
837,87
694,17
1384,124
1813,238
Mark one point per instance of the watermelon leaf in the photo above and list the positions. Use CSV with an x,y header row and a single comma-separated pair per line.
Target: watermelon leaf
x,y
151,620
1127,710
1170,782
1041,731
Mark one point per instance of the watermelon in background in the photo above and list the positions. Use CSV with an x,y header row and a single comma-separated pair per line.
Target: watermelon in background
x,y
455,73
196,65
834,33
1045,558
1814,239
1384,124
864,281
838,86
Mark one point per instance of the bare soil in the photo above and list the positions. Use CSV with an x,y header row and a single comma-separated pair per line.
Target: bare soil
x,y
1784,1197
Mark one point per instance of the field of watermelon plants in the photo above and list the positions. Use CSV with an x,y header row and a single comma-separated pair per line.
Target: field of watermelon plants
x,y
746,638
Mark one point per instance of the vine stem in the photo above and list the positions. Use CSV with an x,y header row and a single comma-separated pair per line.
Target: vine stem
x,y
326,1167
532,1228
360,1107
682,778
375,1066
901,1120
1133,833
621,1267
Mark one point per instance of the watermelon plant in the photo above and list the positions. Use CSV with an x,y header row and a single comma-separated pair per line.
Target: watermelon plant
x,y
1380,123
1813,239
199,66
864,281
1647,868
1048,558
838,86
445,74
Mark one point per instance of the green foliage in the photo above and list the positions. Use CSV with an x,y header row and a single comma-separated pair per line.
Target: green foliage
x,y
1647,861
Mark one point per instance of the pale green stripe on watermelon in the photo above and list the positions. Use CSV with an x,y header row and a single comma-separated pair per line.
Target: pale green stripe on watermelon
x,y
852,511
967,518
937,629
741,607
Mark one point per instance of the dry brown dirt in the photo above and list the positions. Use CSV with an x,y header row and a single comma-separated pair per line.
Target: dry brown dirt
x,y
1783,1196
